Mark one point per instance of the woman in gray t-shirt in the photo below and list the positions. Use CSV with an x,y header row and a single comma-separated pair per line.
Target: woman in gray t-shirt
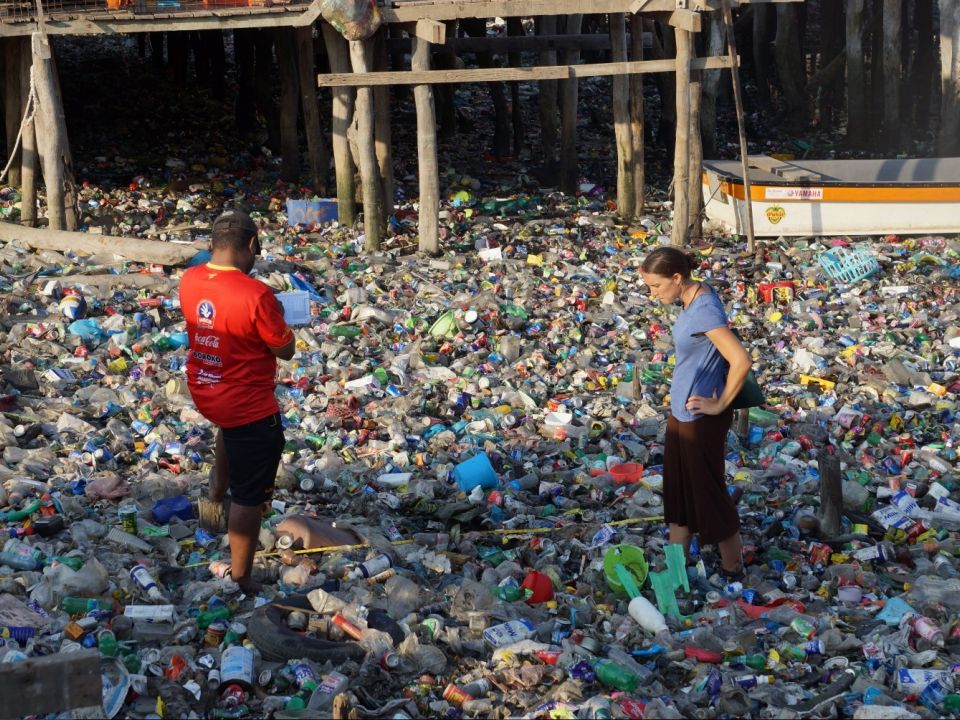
x,y
711,366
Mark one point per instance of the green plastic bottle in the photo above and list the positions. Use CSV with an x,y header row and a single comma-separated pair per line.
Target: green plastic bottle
x,y
79,605
951,703
347,331
615,675
107,642
218,613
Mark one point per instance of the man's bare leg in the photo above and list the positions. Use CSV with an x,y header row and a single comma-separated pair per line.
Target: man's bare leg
x,y
219,479
244,533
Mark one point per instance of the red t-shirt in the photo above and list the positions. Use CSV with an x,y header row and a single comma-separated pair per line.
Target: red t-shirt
x,y
233,321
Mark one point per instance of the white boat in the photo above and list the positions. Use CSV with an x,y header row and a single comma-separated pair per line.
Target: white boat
x,y
836,197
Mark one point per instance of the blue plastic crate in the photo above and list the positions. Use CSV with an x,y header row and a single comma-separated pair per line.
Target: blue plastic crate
x,y
848,265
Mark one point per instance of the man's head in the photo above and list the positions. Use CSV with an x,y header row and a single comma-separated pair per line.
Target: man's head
x,y
235,236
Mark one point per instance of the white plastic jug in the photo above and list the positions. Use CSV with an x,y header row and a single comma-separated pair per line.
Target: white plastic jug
x,y
646,615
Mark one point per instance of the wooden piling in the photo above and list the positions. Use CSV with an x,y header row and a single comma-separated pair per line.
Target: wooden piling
x,y
621,119
681,155
694,189
548,92
361,58
12,105
381,104
569,93
317,152
28,143
244,59
637,125
289,105
342,112
52,140
514,59
426,153
831,494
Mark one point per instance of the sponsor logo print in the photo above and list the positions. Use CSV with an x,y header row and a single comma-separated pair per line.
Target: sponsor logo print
x,y
206,313
208,341
775,214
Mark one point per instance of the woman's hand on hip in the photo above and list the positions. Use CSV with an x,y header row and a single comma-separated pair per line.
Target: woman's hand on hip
x,y
705,405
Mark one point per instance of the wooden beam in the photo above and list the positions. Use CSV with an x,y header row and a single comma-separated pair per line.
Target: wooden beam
x,y
383,126
51,683
623,132
536,72
136,249
499,44
430,30
429,204
685,20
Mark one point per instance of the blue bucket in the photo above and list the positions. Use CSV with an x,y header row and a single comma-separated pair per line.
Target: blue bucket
x,y
475,471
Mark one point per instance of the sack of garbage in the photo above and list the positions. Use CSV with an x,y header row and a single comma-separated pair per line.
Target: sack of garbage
x,y
354,19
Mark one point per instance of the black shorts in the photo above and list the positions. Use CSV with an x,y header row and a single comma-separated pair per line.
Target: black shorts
x,y
253,455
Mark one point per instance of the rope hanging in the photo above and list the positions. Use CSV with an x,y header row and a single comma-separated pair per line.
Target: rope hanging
x,y
28,112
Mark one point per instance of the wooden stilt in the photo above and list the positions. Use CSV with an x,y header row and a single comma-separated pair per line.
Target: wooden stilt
x,y
741,128
694,190
831,494
178,51
52,138
12,105
569,92
317,150
28,142
201,59
743,425
289,105
244,59
710,85
156,49
426,153
381,104
213,39
263,79
621,119
361,57
637,125
69,183
681,155
339,56
548,91
515,28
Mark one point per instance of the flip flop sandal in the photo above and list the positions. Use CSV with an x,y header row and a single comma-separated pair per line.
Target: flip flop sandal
x,y
213,515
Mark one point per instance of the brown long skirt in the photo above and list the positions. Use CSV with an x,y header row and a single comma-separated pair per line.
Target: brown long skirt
x,y
694,485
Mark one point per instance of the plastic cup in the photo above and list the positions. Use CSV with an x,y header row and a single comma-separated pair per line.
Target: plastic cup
x,y
475,472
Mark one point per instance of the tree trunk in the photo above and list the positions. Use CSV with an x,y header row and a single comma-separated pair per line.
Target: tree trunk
x,y
342,111
29,159
621,120
790,65
381,104
637,124
547,100
361,56
569,94
856,76
922,68
317,151
289,105
892,75
681,155
761,54
244,59
710,85
12,104
218,63
949,139
426,153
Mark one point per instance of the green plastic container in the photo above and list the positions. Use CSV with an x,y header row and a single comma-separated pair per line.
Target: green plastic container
x,y
631,557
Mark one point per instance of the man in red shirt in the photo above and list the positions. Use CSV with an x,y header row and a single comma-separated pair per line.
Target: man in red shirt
x,y
237,332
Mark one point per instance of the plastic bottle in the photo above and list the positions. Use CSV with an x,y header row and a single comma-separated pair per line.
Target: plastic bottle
x,y
18,561
347,331
79,605
204,619
140,575
125,539
615,675
647,615
935,462
371,567
107,643
330,686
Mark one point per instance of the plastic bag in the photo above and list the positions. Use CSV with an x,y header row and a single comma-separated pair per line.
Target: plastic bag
x,y
354,19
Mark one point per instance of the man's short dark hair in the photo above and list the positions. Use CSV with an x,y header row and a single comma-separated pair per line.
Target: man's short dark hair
x,y
233,229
